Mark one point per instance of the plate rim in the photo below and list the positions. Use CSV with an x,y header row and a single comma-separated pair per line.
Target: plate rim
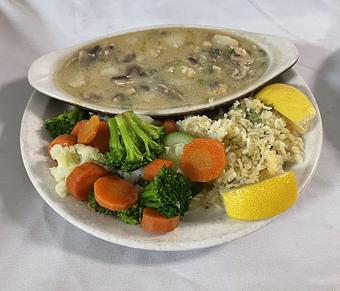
x,y
147,245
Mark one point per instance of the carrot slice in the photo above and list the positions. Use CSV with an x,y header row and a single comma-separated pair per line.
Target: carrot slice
x,y
102,138
65,140
152,169
82,178
153,221
203,159
115,193
76,128
169,125
87,132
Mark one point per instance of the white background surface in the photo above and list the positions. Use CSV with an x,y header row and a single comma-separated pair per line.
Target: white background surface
x,y
41,251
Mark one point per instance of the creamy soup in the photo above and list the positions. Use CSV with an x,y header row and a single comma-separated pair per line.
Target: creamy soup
x,y
162,68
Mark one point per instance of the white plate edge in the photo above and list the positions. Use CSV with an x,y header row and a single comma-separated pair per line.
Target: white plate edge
x,y
148,245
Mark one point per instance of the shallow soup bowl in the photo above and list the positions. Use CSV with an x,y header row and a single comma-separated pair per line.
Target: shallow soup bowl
x,y
282,55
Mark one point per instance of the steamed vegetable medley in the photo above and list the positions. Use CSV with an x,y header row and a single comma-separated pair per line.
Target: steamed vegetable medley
x,y
148,172
120,166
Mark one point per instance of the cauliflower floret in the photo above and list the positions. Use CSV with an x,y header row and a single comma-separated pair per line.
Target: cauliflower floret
x,y
68,158
89,154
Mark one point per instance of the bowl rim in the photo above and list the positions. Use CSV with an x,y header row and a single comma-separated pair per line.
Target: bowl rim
x,y
57,56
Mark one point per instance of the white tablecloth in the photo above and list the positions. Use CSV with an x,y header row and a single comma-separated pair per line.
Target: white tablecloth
x,y
39,250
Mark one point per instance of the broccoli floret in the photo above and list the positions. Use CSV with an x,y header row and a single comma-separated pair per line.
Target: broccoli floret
x,y
170,193
157,133
94,204
152,148
115,157
131,215
137,140
132,147
134,158
64,123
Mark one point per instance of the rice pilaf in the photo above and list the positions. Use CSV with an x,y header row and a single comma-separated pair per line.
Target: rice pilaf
x,y
258,143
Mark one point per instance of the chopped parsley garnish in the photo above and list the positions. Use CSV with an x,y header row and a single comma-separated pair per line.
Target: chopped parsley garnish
x,y
215,52
231,50
253,116
179,62
144,87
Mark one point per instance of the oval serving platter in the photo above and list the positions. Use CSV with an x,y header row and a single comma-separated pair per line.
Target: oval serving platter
x,y
282,55
200,228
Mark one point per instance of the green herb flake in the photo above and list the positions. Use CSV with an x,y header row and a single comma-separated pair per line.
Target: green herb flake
x,y
144,87
179,62
215,52
231,50
253,116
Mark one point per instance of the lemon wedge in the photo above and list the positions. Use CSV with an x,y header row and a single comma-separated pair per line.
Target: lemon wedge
x,y
290,102
263,199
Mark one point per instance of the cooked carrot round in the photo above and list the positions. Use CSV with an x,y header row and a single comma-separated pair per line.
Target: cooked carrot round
x,y
115,193
169,125
82,178
153,221
65,140
102,138
203,159
76,128
152,169
87,131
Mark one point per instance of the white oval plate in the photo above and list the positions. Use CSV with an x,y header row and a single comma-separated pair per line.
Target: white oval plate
x,y
200,228
282,55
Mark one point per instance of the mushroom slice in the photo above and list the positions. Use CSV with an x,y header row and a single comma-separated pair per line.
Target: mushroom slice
x,y
94,51
169,92
132,71
135,70
124,82
192,61
119,97
105,53
86,56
